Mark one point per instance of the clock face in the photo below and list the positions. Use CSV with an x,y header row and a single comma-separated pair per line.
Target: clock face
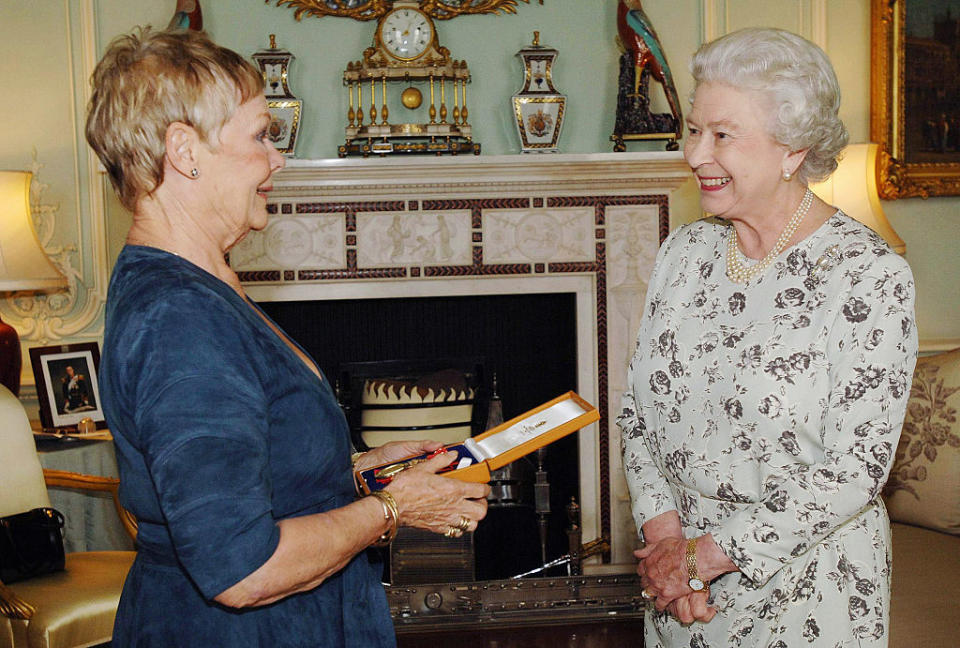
x,y
406,33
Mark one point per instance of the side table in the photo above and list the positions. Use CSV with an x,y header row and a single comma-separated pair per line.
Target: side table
x,y
92,523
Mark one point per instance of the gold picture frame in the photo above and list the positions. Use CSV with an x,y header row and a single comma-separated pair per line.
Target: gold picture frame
x,y
919,150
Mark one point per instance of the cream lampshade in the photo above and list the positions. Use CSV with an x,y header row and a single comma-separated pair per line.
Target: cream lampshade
x,y
853,188
23,264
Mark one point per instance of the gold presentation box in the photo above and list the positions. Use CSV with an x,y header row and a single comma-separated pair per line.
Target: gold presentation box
x,y
478,456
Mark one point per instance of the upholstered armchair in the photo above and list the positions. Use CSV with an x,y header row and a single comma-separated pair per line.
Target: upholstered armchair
x,y
923,498
69,609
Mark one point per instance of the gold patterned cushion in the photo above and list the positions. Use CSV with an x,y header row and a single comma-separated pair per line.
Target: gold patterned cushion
x,y
924,484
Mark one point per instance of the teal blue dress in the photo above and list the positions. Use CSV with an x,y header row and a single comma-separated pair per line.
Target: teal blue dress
x,y
221,431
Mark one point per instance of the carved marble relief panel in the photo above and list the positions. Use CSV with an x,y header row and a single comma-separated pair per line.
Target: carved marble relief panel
x,y
525,235
316,241
633,241
387,239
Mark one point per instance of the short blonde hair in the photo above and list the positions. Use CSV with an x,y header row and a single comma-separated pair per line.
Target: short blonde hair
x,y
150,79
799,83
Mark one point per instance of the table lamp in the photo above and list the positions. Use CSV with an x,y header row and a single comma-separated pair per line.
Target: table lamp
x,y
853,188
23,264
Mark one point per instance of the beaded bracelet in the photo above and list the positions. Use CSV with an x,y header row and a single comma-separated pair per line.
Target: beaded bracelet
x,y
391,514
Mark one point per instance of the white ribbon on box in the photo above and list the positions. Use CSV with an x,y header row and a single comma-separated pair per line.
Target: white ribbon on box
x,y
525,430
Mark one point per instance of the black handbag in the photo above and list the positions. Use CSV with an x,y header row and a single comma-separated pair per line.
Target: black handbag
x,y
31,544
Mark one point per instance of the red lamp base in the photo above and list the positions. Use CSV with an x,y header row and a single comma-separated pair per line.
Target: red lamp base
x,y
10,358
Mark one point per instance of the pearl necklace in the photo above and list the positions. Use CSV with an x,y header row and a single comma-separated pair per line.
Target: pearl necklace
x,y
740,273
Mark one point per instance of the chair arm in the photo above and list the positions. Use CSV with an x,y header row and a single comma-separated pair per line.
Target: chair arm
x,y
66,479
12,606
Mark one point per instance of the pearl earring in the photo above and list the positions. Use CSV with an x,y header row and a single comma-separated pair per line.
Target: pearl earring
x,y
787,176
194,173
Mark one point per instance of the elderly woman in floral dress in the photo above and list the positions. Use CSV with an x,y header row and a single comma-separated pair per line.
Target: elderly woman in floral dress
x,y
771,375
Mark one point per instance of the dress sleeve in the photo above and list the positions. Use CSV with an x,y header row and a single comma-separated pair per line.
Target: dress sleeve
x,y
201,420
871,350
650,494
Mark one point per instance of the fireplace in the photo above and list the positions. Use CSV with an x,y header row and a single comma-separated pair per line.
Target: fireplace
x,y
528,342
514,233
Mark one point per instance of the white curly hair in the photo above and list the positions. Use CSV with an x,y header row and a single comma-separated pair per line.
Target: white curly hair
x,y
797,81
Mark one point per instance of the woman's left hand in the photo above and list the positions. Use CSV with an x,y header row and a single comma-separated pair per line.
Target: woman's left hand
x,y
663,570
395,451
693,607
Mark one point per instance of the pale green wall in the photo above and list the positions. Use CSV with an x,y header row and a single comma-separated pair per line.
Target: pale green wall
x,y
582,30
931,229
40,41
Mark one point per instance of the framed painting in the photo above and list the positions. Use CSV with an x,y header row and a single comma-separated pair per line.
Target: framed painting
x,y
68,388
915,96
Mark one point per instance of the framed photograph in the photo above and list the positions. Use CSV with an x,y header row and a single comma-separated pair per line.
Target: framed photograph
x,y
67,384
915,96
284,123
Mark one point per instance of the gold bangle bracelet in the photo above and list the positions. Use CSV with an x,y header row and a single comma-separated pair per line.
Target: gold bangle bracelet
x,y
391,513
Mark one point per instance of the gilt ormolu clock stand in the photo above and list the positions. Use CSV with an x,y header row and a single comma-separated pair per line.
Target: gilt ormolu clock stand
x,y
406,50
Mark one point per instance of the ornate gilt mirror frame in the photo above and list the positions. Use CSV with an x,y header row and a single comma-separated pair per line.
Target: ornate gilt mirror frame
x,y
916,156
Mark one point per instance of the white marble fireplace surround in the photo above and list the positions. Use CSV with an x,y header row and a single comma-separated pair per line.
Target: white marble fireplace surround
x,y
442,226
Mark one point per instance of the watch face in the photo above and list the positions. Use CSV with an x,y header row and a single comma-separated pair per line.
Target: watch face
x,y
406,33
696,584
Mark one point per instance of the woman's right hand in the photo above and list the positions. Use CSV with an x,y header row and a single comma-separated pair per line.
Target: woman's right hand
x,y
436,503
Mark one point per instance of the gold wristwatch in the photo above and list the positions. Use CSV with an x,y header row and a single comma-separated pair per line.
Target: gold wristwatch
x,y
696,583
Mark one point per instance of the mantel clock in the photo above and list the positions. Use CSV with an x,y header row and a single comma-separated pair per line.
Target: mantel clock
x,y
406,51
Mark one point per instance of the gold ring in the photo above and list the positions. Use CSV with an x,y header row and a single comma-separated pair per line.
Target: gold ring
x,y
646,594
464,523
453,532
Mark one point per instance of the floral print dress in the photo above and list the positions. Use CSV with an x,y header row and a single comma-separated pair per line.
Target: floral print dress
x,y
767,414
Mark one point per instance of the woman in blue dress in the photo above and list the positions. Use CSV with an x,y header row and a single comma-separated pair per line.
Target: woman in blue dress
x,y
233,453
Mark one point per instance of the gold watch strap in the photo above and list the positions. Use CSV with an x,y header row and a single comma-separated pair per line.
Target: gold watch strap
x,y
692,558
695,581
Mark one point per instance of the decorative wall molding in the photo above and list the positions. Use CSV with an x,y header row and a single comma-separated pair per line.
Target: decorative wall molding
x,y
811,20
92,176
76,313
818,23
714,20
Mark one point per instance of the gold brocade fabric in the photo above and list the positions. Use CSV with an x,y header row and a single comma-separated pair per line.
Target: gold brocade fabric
x,y
74,607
